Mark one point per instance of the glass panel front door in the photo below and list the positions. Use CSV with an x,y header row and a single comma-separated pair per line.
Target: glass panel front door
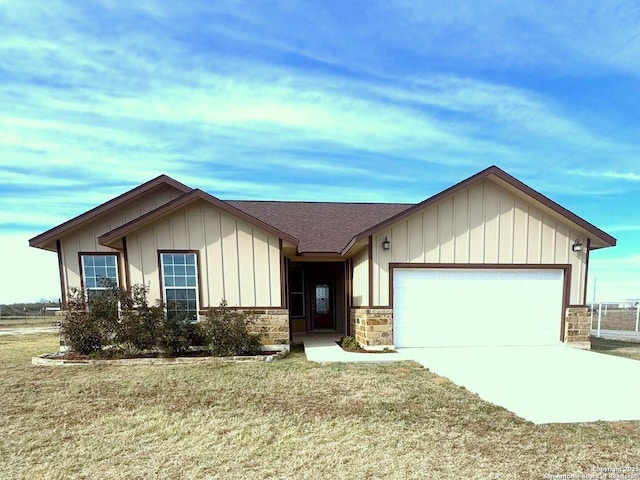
x,y
322,299
322,315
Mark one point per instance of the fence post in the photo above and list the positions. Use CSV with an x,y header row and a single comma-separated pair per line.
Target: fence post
x,y
599,318
637,316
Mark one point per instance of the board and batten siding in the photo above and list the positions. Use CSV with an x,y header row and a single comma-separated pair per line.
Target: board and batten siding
x,y
360,281
86,239
480,224
238,262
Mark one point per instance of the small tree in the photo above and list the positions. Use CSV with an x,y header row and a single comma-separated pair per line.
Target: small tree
x,y
226,332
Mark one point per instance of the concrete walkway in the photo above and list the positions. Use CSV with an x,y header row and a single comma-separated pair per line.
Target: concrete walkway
x,y
322,348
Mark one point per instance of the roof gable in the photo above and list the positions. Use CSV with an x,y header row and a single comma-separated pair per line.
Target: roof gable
x,y
113,237
47,239
493,173
313,227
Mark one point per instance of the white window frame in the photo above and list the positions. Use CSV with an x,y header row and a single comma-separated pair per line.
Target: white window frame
x,y
165,287
85,268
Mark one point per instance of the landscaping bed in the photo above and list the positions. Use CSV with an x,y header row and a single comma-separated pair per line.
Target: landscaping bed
x,y
62,359
349,344
362,350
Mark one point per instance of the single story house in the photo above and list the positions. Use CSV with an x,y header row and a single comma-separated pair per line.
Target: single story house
x,y
488,261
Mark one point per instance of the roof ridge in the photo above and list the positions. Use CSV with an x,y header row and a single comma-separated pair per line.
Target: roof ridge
x,y
319,202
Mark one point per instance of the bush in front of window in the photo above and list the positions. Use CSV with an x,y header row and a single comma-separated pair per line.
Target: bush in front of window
x,y
140,325
177,334
115,322
90,322
226,332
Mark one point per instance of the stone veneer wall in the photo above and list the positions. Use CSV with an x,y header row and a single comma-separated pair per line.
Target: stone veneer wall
x,y
577,327
372,327
272,325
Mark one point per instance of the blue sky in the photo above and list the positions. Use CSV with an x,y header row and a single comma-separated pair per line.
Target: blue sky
x,y
333,100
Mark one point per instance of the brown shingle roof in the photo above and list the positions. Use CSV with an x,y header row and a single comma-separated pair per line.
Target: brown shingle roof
x,y
320,226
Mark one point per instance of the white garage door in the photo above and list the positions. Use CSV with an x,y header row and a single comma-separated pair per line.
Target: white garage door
x,y
476,307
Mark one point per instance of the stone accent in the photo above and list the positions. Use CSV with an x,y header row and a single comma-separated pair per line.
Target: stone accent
x,y
272,325
577,327
372,327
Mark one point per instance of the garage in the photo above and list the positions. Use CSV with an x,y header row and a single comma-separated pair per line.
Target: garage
x,y
462,307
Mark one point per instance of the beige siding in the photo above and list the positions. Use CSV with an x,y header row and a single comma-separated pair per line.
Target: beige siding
x,y
445,230
476,223
361,278
480,224
238,262
86,239
430,236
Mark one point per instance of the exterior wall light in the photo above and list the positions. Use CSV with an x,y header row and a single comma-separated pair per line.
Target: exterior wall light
x,y
386,245
577,246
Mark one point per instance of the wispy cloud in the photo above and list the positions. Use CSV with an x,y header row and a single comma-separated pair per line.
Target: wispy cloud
x,y
607,175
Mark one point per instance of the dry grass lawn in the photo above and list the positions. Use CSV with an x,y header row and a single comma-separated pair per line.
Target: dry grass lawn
x,y
616,347
289,419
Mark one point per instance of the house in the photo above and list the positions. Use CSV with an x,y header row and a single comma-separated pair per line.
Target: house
x,y
488,261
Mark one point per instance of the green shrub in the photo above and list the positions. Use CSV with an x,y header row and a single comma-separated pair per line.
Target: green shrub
x,y
176,335
140,325
90,321
227,334
349,342
118,322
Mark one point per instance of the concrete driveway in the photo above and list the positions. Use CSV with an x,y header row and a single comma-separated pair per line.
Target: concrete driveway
x,y
542,384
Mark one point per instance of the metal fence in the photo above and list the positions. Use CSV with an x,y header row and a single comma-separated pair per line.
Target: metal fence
x,y
615,315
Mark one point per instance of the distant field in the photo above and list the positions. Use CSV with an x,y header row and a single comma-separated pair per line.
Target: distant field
x,y
615,319
39,320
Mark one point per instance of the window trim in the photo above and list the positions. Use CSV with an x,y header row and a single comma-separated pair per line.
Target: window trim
x,y
197,287
99,254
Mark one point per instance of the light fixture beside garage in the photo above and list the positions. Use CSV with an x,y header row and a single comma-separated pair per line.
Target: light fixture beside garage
x,y
386,245
577,246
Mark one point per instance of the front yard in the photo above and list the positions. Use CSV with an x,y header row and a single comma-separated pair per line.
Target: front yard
x,y
286,419
616,347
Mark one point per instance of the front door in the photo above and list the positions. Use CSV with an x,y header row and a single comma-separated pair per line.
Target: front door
x,y
322,306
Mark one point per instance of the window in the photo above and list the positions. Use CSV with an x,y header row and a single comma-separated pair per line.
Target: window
x,y
296,295
180,285
99,272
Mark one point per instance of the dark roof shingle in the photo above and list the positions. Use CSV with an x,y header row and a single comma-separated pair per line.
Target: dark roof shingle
x,y
321,227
